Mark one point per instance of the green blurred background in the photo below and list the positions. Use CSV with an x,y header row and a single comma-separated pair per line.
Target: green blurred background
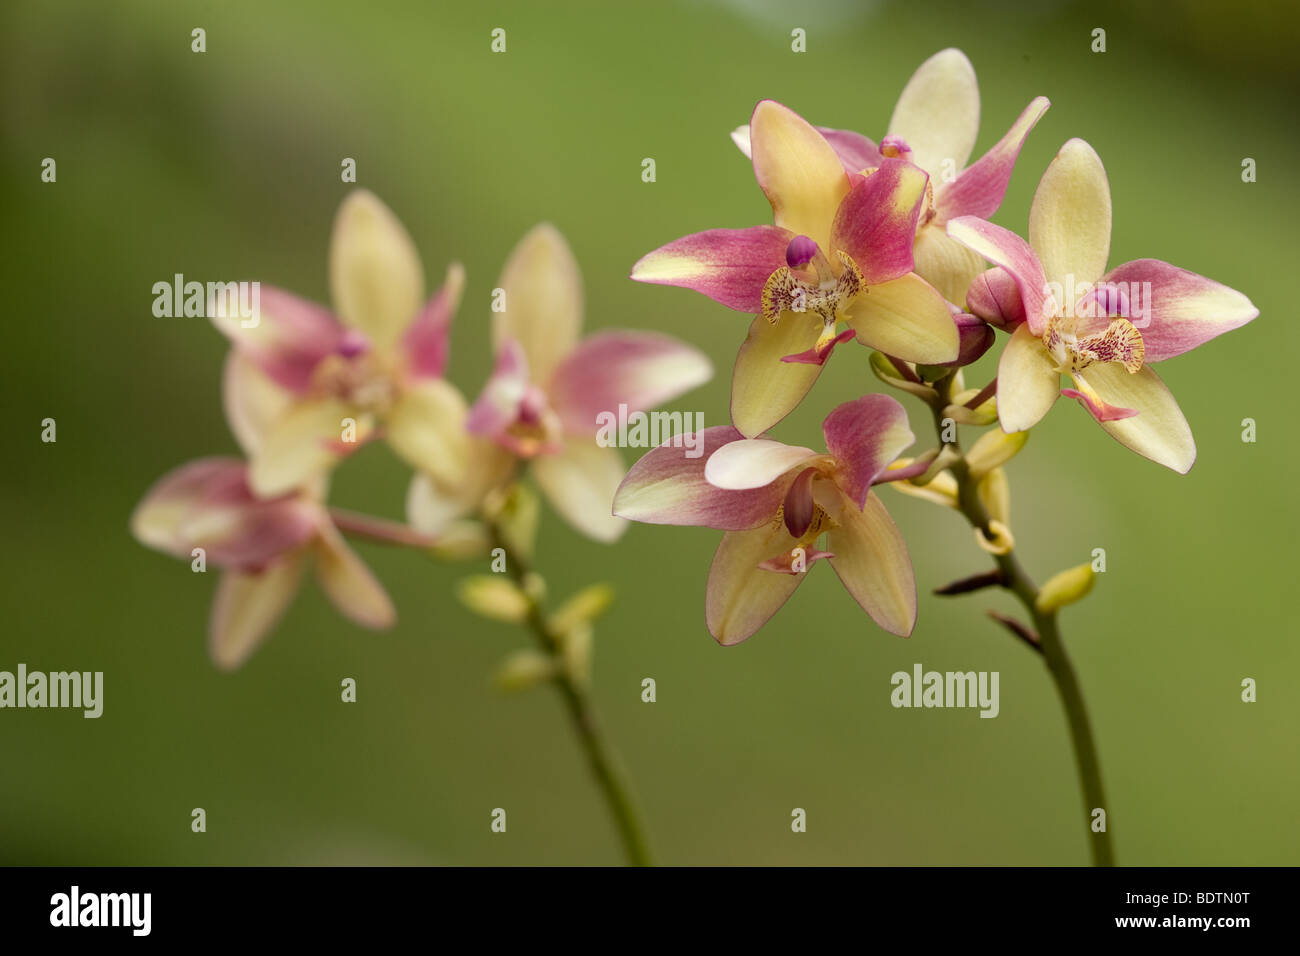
x,y
225,165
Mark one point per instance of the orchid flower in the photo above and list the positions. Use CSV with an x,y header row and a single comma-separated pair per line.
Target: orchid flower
x,y
262,546
1101,328
775,501
934,125
547,389
330,381
840,251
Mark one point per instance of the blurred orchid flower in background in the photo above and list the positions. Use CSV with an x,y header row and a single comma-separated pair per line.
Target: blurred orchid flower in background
x,y
935,124
262,546
775,501
322,383
542,401
840,251
1101,328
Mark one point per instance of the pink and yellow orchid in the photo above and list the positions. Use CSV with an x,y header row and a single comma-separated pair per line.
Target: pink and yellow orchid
x,y
1101,328
840,251
542,403
262,546
935,123
775,502
322,384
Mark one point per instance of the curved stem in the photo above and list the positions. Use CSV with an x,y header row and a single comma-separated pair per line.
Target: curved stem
x,y
1014,578
577,700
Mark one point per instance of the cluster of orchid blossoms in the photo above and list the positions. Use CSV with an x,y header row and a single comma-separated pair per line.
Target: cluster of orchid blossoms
x,y
305,387
889,244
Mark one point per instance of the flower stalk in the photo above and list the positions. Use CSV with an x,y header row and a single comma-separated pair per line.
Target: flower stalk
x,y
1014,578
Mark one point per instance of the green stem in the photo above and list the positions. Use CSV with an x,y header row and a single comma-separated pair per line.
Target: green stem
x,y
1015,579
577,700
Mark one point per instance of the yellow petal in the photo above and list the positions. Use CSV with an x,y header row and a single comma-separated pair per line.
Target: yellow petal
x,y
252,401
580,483
426,427
303,445
1028,383
1158,431
798,171
246,608
543,301
376,279
1069,221
763,388
741,595
871,559
906,318
938,113
945,263
351,586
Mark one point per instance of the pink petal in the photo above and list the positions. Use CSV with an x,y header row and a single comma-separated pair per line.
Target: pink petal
x,y
978,190
291,337
730,266
855,151
1097,408
1184,309
864,436
208,504
1004,248
667,486
426,341
994,297
876,222
818,354
636,370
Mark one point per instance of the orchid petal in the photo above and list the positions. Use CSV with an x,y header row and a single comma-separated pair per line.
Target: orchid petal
x,y
288,338
797,170
945,263
632,370
856,152
247,606
432,506
1186,309
978,190
876,222
543,300
667,486
764,388
1004,248
994,297
1028,382
426,427
938,113
1069,220
730,266
376,281
253,402
864,436
870,557
426,342
351,586
580,482
741,595
906,318
1158,431
754,463
303,445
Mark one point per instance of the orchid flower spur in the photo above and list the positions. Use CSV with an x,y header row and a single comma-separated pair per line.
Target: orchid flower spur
x,y
935,123
1103,329
840,251
330,381
262,546
547,390
775,502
